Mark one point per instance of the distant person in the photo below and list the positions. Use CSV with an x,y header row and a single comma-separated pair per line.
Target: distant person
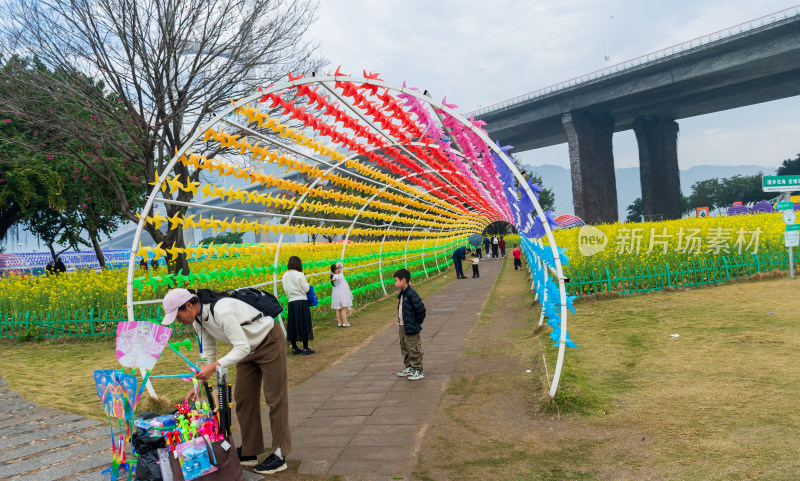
x,y
341,296
410,315
143,264
478,252
51,268
60,267
495,247
459,255
517,257
298,317
502,245
154,263
475,271
486,243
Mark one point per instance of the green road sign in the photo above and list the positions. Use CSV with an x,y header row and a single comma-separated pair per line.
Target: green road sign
x,y
792,227
784,206
780,183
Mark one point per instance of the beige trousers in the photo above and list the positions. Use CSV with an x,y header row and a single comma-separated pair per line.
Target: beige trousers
x,y
411,348
265,367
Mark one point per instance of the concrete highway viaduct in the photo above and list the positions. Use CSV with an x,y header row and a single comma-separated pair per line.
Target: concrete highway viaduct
x,y
754,62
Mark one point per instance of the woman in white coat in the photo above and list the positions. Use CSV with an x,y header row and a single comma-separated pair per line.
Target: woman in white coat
x,y
298,322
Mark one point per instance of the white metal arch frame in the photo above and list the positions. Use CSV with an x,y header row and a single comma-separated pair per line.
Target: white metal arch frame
x,y
369,201
326,82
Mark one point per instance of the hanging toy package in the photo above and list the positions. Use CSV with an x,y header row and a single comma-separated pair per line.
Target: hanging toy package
x,y
194,459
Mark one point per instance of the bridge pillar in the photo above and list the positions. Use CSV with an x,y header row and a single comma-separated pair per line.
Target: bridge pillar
x,y
591,160
658,166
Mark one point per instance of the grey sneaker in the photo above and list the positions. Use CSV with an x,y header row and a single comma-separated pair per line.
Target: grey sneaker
x,y
418,374
406,372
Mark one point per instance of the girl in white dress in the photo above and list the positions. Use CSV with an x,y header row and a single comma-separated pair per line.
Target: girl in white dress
x,y
341,297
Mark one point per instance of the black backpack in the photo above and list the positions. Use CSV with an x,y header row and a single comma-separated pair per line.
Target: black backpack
x,y
265,302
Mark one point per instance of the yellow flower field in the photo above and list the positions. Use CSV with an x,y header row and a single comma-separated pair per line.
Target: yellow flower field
x,y
106,290
631,245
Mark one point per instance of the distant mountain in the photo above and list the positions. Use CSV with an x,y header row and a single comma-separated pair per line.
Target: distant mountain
x,y
629,186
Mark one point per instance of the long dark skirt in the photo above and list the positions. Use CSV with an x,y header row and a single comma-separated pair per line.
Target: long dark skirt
x,y
298,322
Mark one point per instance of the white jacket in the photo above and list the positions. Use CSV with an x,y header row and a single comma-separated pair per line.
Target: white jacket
x,y
295,285
225,325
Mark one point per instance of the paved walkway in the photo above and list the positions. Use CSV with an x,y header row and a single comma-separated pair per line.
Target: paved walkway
x,y
39,444
356,418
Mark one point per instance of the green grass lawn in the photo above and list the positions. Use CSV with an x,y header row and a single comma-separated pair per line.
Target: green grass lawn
x,y
718,401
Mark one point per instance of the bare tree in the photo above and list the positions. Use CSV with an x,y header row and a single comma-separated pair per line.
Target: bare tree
x,y
166,66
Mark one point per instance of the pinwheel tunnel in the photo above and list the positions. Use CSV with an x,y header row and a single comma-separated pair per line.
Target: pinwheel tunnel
x,y
401,179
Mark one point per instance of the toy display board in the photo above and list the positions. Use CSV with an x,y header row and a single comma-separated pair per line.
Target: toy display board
x,y
197,436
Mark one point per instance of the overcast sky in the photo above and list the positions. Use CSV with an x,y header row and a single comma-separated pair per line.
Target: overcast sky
x,y
480,53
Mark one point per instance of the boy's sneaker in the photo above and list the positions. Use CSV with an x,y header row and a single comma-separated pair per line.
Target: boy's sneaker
x,y
271,465
246,460
406,372
418,374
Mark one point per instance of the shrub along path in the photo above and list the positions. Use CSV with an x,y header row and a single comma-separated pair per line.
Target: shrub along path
x,y
357,418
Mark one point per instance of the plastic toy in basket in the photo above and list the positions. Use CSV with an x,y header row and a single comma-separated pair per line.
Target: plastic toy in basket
x,y
194,460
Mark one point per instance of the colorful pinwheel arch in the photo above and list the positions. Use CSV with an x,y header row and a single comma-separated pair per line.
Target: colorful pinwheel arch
x,y
361,159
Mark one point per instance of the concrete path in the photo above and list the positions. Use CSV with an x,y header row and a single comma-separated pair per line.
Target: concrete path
x,y
39,444
357,418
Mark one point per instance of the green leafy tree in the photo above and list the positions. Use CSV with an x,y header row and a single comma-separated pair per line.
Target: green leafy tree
x,y
547,199
790,166
721,193
224,238
706,193
635,211
744,188
60,182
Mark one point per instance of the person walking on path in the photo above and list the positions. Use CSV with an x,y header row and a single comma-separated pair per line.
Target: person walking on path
x,y
478,252
502,245
475,271
259,354
459,255
495,246
517,257
486,243
341,296
410,315
298,319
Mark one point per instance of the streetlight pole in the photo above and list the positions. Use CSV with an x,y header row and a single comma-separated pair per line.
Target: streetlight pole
x,y
607,56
